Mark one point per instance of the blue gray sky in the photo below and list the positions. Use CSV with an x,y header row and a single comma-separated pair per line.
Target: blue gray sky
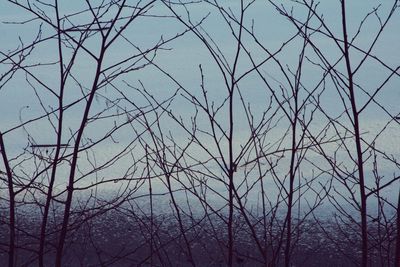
x,y
181,59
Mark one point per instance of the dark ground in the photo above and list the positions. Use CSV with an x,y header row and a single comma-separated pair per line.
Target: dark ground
x,y
123,239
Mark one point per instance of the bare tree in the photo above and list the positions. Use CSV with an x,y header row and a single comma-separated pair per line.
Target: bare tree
x,y
357,99
196,133
89,34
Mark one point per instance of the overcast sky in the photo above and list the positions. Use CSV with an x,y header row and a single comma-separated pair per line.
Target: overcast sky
x,y
182,57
